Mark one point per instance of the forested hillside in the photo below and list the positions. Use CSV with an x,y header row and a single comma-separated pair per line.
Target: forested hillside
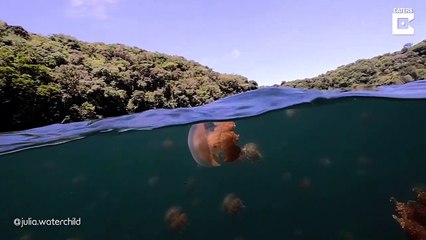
x,y
399,67
54,79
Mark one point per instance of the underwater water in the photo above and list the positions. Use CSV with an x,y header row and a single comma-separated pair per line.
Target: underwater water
x,y
328,171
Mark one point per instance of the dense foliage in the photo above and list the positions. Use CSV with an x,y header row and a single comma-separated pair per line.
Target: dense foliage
x,y
400,67
45,80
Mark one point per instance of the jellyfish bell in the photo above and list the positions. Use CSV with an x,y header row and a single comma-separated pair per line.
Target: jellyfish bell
x,y
198,145
213,143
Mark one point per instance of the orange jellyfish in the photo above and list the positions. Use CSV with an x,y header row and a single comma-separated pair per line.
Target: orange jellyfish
x,y
176,219
232,204
212,143
411,216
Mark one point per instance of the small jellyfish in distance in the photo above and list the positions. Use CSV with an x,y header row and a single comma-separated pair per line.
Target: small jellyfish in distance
x,y
250,151
212,143
153,180
168,144
325,162
176,219
232,204
291,113
305,183
26,236
79,179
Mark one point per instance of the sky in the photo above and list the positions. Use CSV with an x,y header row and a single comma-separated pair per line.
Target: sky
x,y
268,41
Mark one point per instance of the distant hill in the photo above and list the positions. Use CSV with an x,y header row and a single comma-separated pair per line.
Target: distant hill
x,y
399,67
54,79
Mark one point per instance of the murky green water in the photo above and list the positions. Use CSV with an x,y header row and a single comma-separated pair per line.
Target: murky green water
x,y
328,172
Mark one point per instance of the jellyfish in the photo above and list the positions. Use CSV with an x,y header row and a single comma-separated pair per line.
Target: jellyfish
x,y
411,216
79,179
291,113
213,143
305,183
250,151
232,204
325,162
176,219
168,144
153,180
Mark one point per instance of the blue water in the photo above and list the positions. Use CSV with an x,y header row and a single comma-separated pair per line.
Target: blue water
x,y
238,106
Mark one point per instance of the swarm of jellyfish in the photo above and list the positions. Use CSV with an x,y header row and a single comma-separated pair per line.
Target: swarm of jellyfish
x,y
176,219
411,216
211,144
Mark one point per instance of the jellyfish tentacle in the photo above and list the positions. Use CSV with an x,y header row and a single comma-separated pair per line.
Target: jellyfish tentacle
x,y
223,141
